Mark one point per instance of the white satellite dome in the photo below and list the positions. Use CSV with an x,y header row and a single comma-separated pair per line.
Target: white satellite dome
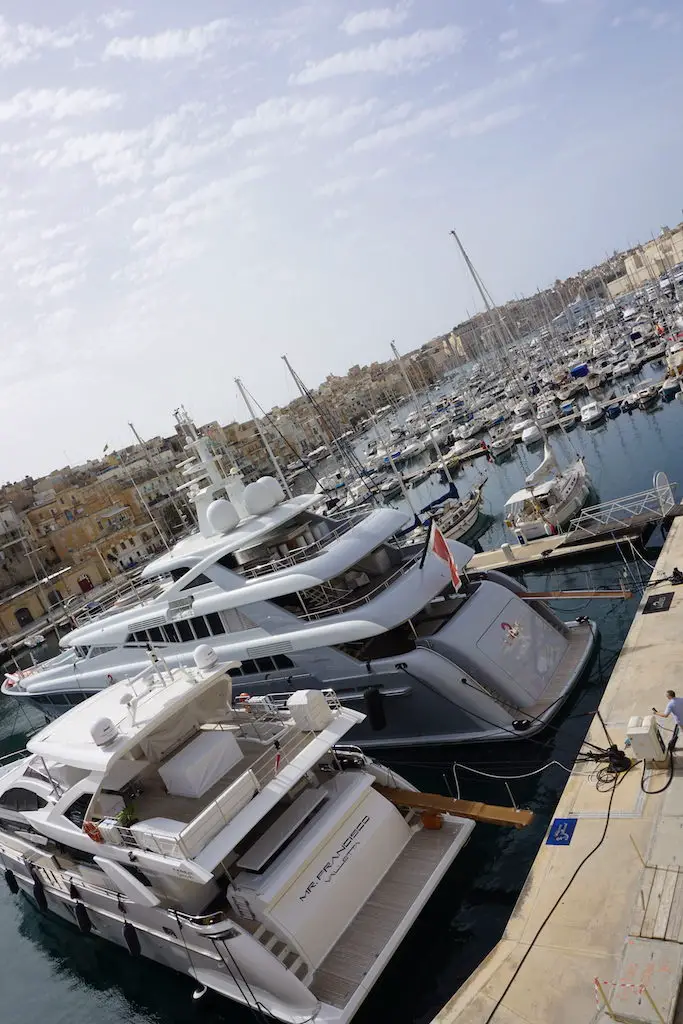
x,y
103,731
222,515
205,657
264,494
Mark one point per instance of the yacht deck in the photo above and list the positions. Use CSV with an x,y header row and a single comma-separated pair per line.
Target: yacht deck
x,y
348,963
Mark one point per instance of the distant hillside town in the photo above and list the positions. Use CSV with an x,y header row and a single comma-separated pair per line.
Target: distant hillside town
x,y
79,527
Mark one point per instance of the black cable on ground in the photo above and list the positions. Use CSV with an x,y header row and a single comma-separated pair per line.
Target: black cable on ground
x,y
556,904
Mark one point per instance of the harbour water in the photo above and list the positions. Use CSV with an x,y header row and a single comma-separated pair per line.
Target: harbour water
x,y
51,972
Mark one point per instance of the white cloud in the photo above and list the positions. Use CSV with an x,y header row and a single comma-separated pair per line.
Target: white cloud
x,y
446,116
56,104
115,19
644,16
377,18
321,115
512,53
24,41
390,56
190,42
344,186
509,36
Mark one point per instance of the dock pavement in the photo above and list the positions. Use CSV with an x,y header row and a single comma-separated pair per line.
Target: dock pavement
x,y
611,947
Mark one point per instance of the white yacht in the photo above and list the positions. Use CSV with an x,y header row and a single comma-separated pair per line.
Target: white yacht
x,y
549,501
239,845
304,599
592,413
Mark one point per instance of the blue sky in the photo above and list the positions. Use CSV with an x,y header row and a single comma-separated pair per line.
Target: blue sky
x,y
188,191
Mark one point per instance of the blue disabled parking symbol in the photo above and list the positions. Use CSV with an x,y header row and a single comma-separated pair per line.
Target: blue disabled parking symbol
x,y
561,832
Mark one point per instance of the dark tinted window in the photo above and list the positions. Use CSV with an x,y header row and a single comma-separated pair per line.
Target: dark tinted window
x,y
155,635
59,698
170,633
282,661
228,561
249,667
77,811
198,581
215,623
183,627
21,800
200,627
177,574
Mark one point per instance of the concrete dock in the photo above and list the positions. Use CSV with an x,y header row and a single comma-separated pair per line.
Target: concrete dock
x,y
616,937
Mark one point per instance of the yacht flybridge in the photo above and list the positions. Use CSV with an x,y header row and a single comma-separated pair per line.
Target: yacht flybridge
x,y
238,845
301,599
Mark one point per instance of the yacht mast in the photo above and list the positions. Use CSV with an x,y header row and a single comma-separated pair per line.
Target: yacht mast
x,y
264,439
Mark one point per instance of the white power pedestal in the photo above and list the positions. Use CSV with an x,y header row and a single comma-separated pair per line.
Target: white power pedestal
x,y
645,738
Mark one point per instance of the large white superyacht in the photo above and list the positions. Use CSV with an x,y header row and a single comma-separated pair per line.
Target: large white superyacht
x,y
301,599
240,845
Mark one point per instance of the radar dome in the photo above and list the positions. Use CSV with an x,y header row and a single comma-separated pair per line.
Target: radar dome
x,y
205,656
222,515
262,495
103,731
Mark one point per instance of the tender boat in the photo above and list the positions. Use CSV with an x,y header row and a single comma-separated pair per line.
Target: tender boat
x,y
592,414
238,844
501,447
532,434
670,387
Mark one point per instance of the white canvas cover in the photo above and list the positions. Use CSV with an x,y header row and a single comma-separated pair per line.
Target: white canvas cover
x,y
200,764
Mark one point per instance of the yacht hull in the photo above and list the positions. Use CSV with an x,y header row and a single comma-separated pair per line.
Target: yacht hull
x,y
213,952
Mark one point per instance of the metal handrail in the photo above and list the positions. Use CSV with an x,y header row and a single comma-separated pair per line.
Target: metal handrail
x,y
631,505
301,554
356,602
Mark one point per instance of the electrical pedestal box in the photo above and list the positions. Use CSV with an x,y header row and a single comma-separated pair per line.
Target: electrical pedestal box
x,y
646,739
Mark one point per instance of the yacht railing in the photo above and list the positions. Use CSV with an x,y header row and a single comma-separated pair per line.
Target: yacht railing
x,y
302,554
334,606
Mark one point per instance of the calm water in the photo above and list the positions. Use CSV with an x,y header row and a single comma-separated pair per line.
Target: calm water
x,y
52,974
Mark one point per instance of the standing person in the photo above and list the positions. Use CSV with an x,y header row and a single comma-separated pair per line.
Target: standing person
x,y
674,708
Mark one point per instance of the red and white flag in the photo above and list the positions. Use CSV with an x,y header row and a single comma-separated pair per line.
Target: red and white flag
x,y
437,544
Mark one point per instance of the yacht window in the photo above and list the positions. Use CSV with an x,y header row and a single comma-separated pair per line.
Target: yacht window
x,y
59,698
198,581
200,627
215,623
177,574
21,800
249,668
282,661
41,698
79,808
170,633
228,561
96,651
185,630
155,635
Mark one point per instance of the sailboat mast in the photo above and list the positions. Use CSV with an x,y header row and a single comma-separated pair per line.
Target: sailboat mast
x,y
429,429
